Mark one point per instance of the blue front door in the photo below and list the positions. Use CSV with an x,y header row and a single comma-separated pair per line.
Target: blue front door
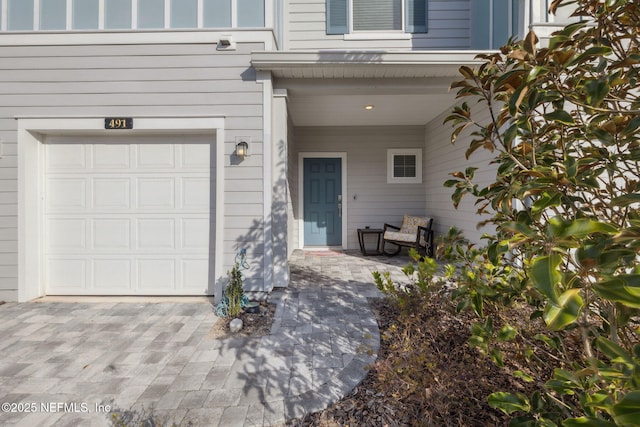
x,y
322,201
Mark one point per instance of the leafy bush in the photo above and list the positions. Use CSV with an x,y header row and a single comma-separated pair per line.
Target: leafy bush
x,y
420,275
564,128
424,358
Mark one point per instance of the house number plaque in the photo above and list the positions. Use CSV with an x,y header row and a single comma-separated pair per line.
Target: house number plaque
x,y
118,123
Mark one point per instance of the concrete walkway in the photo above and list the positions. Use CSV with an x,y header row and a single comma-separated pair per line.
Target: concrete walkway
x,y
78,364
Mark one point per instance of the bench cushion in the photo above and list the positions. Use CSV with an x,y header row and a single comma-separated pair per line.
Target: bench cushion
x,y
410,224
403,237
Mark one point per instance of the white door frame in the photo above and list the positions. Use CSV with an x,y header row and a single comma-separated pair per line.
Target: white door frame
x,y
32,132
315,154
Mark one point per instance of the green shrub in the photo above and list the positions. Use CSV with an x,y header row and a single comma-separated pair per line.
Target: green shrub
x,y
564,131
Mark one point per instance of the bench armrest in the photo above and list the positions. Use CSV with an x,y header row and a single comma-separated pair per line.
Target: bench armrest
x,y
391,226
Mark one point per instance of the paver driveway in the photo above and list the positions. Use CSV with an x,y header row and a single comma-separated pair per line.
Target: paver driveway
x,y
76,364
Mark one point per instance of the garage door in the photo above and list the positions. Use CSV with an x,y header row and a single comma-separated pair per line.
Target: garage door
x,y
128,216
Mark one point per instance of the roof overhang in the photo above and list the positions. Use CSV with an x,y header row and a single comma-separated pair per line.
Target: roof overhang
x,y
331,88
363,64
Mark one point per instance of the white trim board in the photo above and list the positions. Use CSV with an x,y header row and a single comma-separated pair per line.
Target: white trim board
x,y
114,37
345,210
31,134
264,78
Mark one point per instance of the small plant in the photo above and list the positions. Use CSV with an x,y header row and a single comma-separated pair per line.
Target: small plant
x,y
420,274
233,297
234,292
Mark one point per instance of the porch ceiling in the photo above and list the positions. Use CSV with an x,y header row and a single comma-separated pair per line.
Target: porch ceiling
x,y
342,103
331,88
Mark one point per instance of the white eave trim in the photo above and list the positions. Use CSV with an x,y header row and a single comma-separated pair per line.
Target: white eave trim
x,y
378,36
360,57
278,61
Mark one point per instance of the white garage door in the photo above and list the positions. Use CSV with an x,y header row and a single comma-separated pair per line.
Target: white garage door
x,y
128,216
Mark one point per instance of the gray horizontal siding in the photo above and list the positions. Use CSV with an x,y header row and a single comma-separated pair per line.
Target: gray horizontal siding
x,y
59,100
124,87
443,158
376,202
136,80
126,74
449,23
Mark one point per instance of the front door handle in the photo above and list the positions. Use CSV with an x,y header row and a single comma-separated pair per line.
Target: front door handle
x,y
340,210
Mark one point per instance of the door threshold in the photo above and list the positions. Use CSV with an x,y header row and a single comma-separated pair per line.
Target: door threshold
x,y
324,251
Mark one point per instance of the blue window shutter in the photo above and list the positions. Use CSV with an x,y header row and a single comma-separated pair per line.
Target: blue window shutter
x,y
337,17
480,24
416,16
500,23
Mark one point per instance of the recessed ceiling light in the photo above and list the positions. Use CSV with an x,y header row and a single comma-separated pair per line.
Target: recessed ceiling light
x,y
368,107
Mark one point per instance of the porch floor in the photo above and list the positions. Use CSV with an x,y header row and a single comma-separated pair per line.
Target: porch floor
x,y
324,323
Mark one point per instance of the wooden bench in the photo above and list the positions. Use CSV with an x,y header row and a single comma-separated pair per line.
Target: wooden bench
x,y
415,232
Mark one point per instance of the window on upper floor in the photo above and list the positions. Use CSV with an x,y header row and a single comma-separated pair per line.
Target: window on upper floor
x,y
56,15
217,13
562,16
150,13
250,13
85,15
493,22
117,14
184,13
375,16
19,15
53,14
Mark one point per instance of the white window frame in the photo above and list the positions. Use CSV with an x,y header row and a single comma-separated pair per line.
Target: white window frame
x,y
391,153
268,18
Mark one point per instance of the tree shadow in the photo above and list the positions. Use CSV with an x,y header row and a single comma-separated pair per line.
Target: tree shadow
x,y
322,341
324,335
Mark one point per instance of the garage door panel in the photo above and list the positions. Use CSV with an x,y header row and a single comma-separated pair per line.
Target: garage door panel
x,y
130,216
156,274
156,233
195,193
111,156
155,193
192,233
112,274
68,274
65,194
67,234
111,234
66,157
195,156
195,273
111,193
155,156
